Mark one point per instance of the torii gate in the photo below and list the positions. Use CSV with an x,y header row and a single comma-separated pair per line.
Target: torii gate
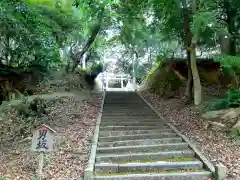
x,y
117,77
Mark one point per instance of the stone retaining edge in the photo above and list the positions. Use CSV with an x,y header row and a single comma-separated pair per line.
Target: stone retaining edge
x,y
205,161
89,170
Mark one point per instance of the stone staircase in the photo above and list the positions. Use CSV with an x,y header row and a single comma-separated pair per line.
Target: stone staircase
x,y
135,144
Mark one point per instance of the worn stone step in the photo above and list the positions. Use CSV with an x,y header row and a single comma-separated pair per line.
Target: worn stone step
x,y
145,157
146,148
134,132
148,166
125,104
175,175
130,113
141,142
140,127
127,120
134,143
137,136
128,116
126,108
131,123
131,118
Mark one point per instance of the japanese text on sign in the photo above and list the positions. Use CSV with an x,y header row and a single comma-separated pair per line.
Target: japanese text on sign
x,y
43,139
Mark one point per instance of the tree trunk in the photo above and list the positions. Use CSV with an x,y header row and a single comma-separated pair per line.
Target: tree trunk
x,y
231,15
233,48
187,42
96,29
189,87
196,79
90,41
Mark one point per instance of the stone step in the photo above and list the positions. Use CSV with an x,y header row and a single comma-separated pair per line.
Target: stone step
x,y
126,108
131,118
141,142
137,137
127,120
146,148
134,132
185,175
130,113
131,124
120,128
142,116
145,157
148,166
116,109
125,105
134,143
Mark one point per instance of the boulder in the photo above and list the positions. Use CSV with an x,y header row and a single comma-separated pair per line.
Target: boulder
x,y
235,130
213,115
237,125
231,116
224,119
225,116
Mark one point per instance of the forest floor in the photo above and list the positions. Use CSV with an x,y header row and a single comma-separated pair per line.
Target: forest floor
x,y
216,146
73,117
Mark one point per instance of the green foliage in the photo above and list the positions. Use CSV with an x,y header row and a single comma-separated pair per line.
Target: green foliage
x,y
24,114
32,33
230,65
231,101
163,82
37,107
96,68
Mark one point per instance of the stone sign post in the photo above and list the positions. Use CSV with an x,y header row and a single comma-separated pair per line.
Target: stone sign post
x,y
42,142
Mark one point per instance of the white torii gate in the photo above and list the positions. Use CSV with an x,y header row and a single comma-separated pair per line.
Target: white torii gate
x,y
118,77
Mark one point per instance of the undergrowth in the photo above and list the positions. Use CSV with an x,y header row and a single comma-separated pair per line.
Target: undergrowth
x,y
163,82
20,117
232,100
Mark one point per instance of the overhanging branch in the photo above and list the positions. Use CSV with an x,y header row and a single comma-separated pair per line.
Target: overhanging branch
x,y
96,29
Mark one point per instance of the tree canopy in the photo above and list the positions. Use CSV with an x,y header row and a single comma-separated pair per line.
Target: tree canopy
x,y
61,33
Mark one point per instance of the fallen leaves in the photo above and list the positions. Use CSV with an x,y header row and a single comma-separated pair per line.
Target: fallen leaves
x,y
217,147
74,122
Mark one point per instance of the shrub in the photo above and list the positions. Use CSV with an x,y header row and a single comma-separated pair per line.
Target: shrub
x,y
163,82
230,65
231,101
19,117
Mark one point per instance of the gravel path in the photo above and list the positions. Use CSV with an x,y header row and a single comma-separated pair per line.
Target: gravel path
x,y
74,120
216,146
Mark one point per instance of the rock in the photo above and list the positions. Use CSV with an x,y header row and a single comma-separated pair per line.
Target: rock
x,y
213,115
237,125
238,144
231,115
235,130
221,172
220,125
226,116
